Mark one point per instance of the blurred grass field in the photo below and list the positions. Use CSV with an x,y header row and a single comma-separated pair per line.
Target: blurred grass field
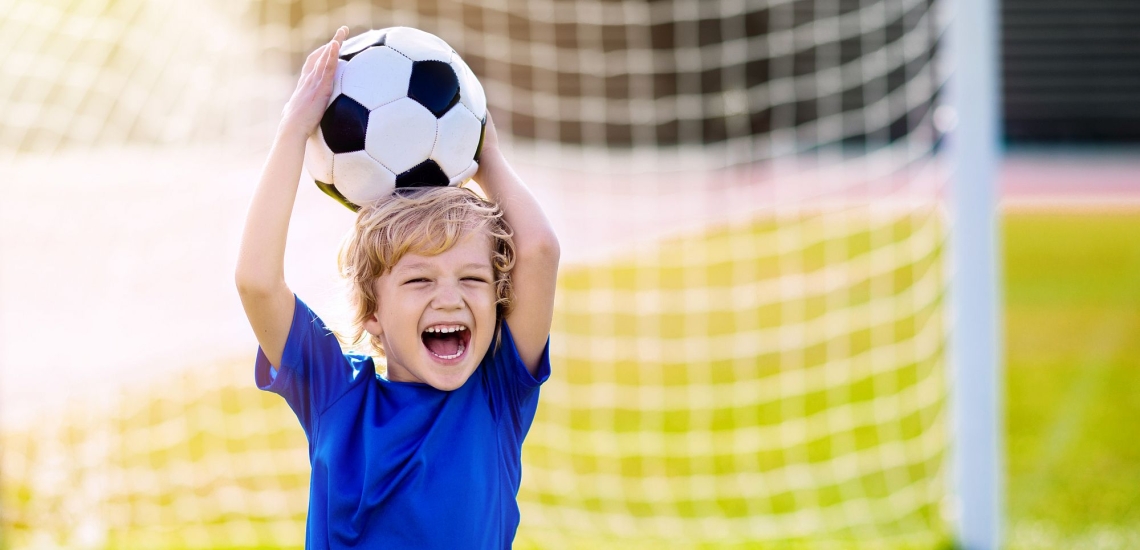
x,y
187,463
1072,295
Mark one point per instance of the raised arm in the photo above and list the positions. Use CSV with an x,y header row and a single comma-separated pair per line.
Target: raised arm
x,y
536,247
260,274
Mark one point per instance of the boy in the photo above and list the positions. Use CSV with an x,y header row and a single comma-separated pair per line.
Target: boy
x,y
428,456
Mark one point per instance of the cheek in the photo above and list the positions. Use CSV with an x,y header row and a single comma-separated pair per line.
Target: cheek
x,y
399,314
484,297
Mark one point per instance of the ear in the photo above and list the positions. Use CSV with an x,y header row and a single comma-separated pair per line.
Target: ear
x,y
372,325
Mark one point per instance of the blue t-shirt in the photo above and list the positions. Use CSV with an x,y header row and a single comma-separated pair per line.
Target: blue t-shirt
x,y
401,464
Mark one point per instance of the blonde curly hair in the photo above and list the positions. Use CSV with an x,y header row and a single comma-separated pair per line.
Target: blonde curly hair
x,y
425,221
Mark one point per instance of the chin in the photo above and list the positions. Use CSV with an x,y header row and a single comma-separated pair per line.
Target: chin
x,y
451,376
449,385
448,379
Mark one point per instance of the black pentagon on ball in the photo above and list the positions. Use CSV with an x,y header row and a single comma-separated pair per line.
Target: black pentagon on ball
x,y
361,42
434,85
344,125
424,174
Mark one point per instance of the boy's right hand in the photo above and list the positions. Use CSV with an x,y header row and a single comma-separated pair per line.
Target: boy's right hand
x,y
304,110
260,273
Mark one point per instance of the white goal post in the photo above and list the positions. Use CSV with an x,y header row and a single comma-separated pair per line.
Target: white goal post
x,y
974,341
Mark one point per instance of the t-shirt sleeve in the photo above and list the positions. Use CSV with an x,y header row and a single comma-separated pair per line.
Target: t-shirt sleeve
x,y
314,371
511,380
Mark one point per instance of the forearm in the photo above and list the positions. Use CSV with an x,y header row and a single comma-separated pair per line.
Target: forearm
x,y
260,273
532,230
535,273
261,259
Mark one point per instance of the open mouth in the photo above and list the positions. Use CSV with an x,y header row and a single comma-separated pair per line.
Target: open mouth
x,y
446,342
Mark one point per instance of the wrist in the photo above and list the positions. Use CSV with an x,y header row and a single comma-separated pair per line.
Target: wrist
x,y
491,159
288,135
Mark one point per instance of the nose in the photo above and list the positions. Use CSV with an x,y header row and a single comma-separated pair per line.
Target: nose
x,y
448,296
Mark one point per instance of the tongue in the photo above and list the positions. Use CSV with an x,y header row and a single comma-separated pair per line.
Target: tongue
x,y
443,344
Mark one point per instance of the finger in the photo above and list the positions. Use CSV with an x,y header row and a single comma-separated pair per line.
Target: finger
x,y
311,60
341,34
334,55
306,79
327,66
319,61
329,60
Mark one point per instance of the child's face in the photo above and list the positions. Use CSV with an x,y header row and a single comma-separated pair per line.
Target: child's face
x,y
435,315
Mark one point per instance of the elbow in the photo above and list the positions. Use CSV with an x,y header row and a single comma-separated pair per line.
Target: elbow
x,y
553,249
250,285
546,249
245,285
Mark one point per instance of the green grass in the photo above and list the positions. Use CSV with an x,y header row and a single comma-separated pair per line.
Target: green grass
x,y
1072,291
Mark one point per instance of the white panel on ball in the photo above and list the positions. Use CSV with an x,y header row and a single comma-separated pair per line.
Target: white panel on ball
x,y
466,174
319,158
458,139
337,78
417,44
400,134
361,41
470,90
360,178
377,76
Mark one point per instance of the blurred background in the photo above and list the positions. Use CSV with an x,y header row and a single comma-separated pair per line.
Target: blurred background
x,y
752,314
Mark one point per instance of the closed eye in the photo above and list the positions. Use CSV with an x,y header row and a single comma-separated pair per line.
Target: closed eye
x,y
420,280
477,279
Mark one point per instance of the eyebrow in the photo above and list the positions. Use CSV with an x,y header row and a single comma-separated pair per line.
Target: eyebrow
x,y
416,266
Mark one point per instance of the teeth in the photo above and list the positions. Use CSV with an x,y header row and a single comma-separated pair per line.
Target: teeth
x,y
445,328
457,353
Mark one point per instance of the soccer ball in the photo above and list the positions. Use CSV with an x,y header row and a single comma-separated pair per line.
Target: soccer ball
x,y
405,111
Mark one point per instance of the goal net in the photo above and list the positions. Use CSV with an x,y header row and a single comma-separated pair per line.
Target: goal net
x,y
750,328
